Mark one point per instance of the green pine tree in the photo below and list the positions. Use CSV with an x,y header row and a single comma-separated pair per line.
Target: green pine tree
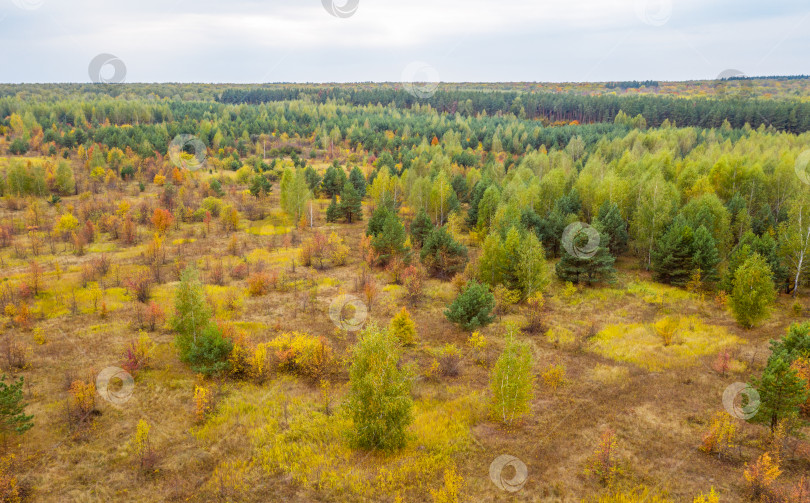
x,y
672,258
596,268
351,207
442,255
390,240
12,409
612,227
781,391
473,307
705,255
421,227
358,180
333,213
376,223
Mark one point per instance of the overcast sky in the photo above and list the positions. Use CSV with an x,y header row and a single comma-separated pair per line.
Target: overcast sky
x,y
390,40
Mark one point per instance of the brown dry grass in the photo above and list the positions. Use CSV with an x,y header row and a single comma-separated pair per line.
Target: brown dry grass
x,y
658,416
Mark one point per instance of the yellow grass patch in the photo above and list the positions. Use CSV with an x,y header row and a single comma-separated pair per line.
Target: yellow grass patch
x,y
291,434
639,343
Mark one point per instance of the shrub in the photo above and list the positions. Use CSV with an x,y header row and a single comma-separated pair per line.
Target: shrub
x,y
258,284
403,328
512,382
202,402
449,360
604,462
505,298
379,400
535,304
137,353
144,453
478,344
554,376
721,434
153,315
760,475
82,401
473,307
413,279
9,487
449,493
666,328
302,354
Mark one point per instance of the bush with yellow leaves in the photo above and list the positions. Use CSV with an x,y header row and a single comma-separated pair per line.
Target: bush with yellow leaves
x,y
82,402
142,447
667,328
403,328
712,497
202,402
453,483
9,488
303,354
760,475
478,343
720,436
554,376
228,482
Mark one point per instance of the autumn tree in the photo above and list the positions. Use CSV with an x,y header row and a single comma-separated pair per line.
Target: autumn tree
x,y
199,340
512,381
753,291
295,193
379,400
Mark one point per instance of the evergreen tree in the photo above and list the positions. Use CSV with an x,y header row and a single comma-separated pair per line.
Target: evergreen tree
x,y
475,200
442,255
796,344
333,213
259,184
376,223
12,409
473,307
351,207
672,258
334,180
781,391
587,269
612,228
421,228
704,255
753,291
379,399
358,180
390,240
313,179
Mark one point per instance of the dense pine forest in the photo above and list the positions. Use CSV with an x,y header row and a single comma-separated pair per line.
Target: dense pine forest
x,y
590,292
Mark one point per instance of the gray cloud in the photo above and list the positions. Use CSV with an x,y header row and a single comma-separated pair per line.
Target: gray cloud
x,y
465,40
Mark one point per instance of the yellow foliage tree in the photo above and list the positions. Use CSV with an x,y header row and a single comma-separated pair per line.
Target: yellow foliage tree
x,y
403,327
